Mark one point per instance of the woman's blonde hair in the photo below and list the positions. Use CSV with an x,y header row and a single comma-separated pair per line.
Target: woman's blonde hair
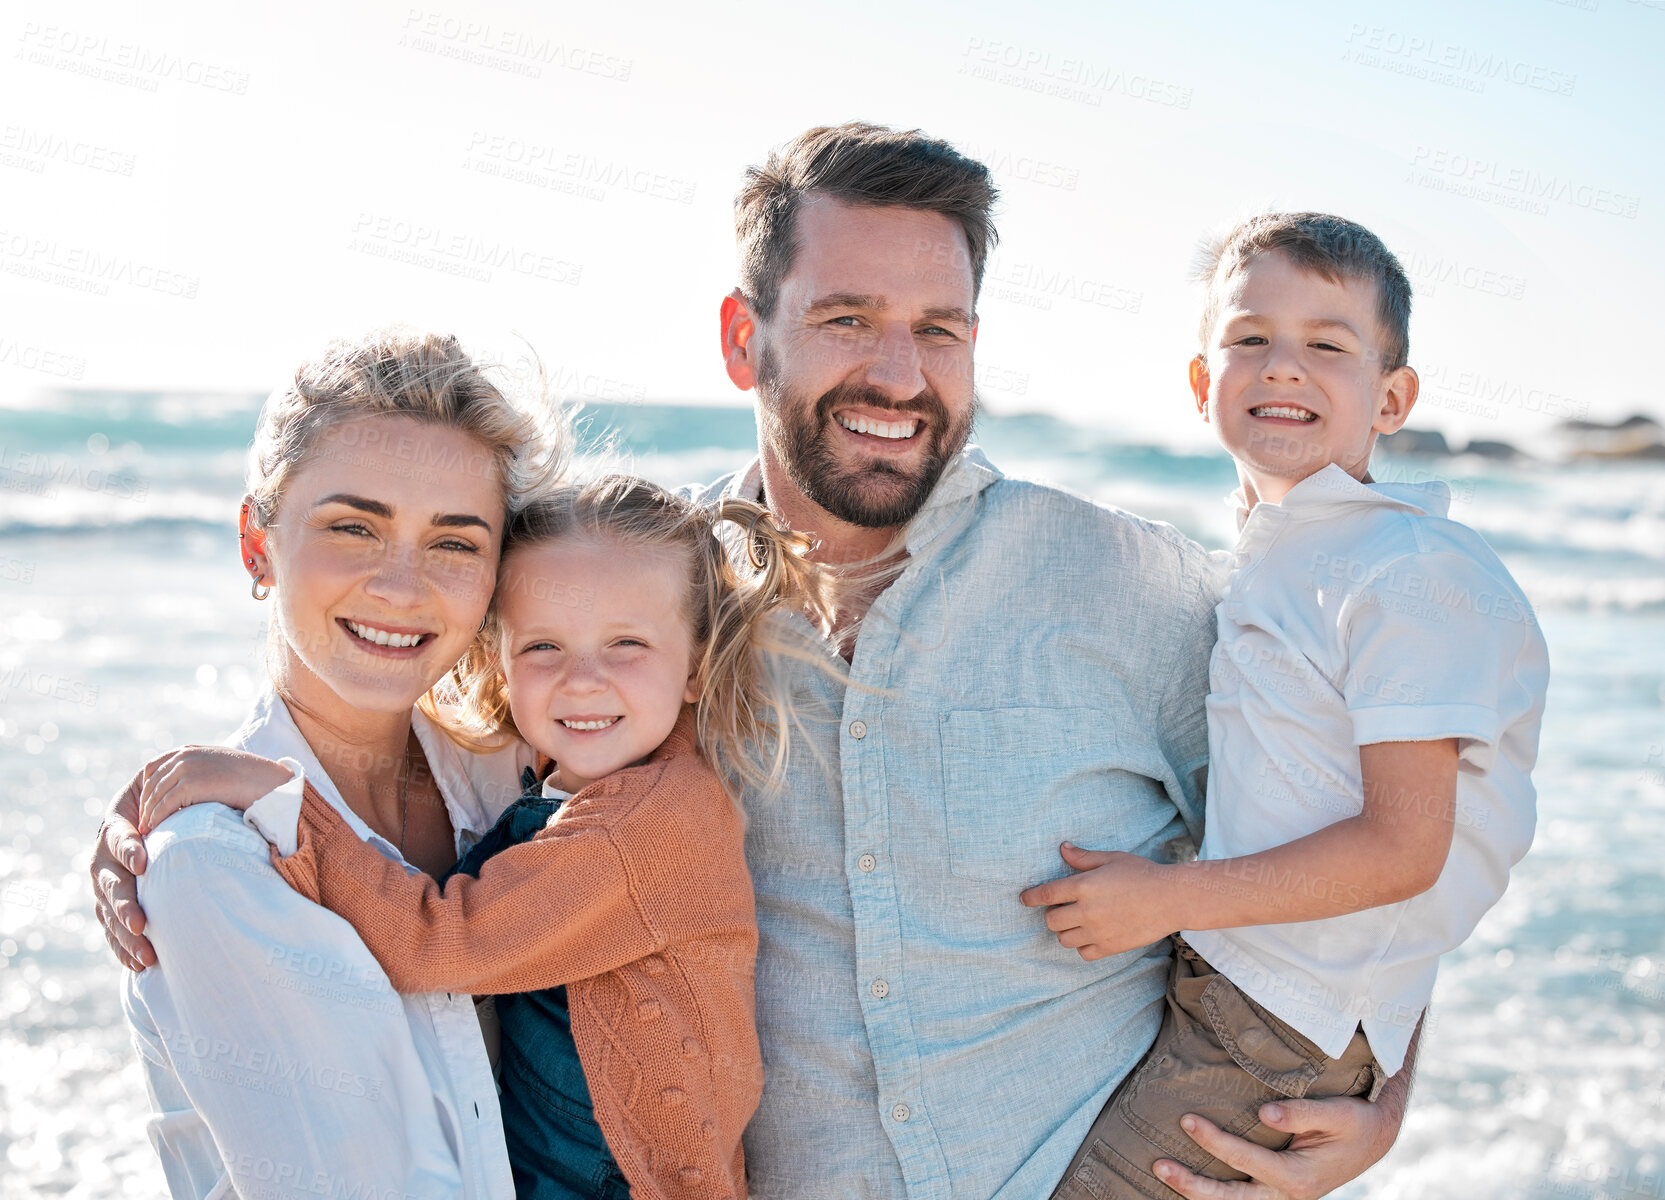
x,y
398,371
743,716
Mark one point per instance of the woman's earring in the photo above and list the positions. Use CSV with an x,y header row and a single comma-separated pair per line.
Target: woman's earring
x,y
255,591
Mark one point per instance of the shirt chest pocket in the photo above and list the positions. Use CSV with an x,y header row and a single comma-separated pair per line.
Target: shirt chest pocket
x,y
1017,782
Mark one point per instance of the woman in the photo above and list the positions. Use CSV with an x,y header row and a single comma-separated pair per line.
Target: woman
x,y
277,1057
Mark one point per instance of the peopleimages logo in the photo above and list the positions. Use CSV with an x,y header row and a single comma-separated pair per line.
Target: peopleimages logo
x,y
86,269
44,685
1034,285
1450,62
126,63
1513,186
512,51
1065,76
1447,386
33,472
44,359
1023,166
572,172
1430,272
453,253
33,149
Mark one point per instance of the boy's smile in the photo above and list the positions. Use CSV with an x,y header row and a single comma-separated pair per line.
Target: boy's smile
x,y
1293,380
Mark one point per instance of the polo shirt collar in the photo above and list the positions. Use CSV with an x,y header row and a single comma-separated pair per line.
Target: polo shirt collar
x,y
968,475
1320,494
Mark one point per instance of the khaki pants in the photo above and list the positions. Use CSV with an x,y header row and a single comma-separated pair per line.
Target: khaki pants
x,y
1219,1055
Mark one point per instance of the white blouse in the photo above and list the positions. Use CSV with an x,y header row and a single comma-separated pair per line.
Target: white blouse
x,y
279,1061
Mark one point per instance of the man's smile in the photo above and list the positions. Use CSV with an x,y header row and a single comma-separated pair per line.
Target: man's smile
x,y
896,429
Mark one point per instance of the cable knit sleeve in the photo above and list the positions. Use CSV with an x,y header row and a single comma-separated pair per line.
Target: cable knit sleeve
x,y
559,908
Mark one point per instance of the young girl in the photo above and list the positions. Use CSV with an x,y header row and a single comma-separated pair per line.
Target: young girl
x,y
612,900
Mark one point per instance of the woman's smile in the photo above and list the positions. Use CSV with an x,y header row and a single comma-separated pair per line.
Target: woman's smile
x,y
384,637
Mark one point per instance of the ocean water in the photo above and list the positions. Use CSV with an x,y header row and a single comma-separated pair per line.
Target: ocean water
x,y
126,627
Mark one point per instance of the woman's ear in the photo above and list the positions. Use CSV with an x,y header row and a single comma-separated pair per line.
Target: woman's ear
x,y
251,543
1200,384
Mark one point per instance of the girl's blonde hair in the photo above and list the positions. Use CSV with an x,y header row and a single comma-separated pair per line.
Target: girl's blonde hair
x,y
398,371
735,616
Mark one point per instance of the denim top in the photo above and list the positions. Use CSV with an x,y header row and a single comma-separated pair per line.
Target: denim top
x,y
556,1148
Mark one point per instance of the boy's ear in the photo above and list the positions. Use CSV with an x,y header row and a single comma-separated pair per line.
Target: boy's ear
x,y
738,327
1397,400
1200,384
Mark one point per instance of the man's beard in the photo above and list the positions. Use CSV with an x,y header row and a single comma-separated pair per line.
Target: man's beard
x,y
877,494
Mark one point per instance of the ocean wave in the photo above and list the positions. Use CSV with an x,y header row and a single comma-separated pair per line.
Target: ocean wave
x,y
130,460
1562,591
139,526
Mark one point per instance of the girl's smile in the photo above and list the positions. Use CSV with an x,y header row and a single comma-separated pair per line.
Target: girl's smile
x,y
595,686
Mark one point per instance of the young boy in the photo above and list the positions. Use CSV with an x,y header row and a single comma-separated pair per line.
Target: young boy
x,y
1376,694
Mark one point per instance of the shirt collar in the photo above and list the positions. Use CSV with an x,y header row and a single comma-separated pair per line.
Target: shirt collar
x,y
270,731
1319,494
966,476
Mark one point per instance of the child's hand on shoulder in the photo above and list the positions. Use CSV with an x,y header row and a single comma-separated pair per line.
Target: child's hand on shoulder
x,y
1114,902
202,775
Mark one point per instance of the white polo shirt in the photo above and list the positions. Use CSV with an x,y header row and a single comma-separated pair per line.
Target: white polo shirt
x,y
278,1059
1359,614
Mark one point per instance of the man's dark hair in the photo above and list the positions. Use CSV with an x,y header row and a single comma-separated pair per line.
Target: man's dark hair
x,y
856,163
1330,247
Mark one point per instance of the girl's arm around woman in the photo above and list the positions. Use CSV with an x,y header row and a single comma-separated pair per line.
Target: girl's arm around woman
x,y
273,1049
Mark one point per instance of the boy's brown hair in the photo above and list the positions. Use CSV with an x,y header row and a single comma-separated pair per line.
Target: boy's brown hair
x,y
856,163
1328,246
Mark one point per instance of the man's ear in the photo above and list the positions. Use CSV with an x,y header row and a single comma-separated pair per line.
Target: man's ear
x,y
1397,400
738,328
1200,385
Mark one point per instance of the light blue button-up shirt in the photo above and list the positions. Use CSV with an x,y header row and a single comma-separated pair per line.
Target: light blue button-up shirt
x,y
1036,673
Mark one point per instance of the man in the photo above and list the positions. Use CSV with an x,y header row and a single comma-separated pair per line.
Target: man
x,y
1034,671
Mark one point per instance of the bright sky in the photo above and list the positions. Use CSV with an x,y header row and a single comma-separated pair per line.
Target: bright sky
x,y
199,196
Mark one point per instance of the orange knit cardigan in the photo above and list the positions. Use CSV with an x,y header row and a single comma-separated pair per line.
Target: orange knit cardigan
x,y
636,897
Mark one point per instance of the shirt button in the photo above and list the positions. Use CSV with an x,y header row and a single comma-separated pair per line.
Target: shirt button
x,y
879,988
867,862
900,1112
858,729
